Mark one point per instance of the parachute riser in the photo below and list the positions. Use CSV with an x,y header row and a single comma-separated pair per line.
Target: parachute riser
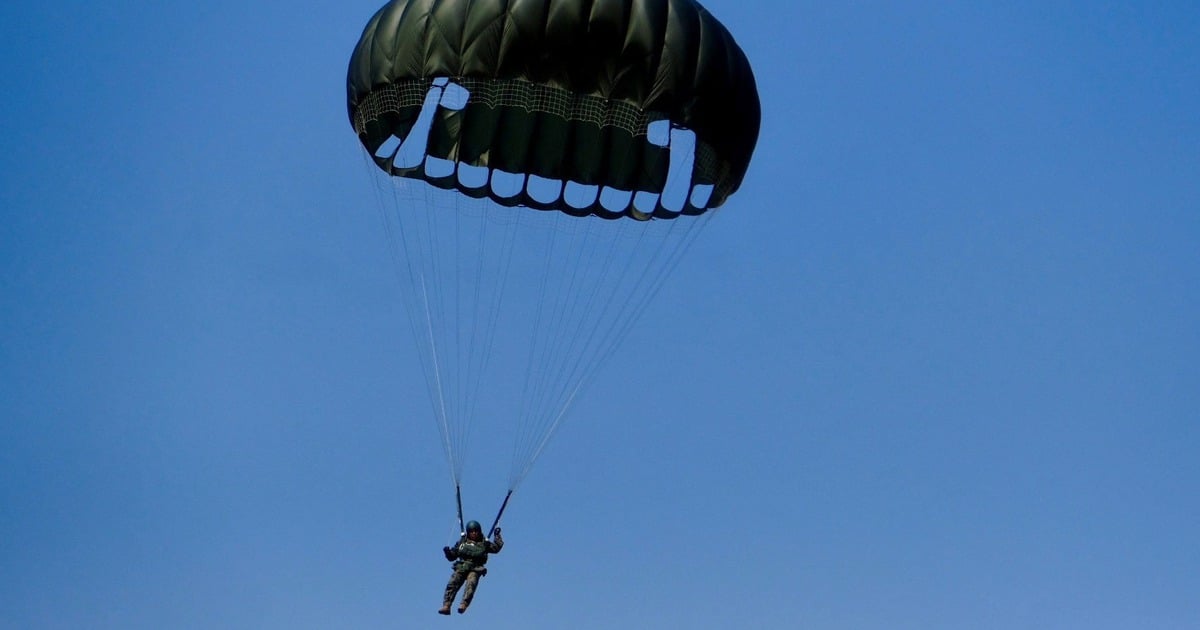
x,y
499,514
458,498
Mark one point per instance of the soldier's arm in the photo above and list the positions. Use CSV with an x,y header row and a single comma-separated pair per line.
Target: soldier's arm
x,y
452,551
496,543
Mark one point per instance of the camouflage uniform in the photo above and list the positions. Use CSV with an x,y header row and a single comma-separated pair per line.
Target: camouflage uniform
x,y
469,558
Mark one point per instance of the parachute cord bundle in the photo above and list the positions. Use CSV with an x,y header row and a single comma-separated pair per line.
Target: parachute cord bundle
x,y
584,283
387,197
453,341
625,289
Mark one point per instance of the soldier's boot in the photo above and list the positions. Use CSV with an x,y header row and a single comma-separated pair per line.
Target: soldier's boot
x,y
445,609
462,606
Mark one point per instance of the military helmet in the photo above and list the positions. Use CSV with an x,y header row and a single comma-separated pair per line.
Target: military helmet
x,y
474,526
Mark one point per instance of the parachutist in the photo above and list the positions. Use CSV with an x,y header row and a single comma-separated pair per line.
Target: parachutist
x,y
469,555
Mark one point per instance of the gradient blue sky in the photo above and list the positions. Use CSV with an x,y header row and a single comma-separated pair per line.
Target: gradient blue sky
x,y
933,367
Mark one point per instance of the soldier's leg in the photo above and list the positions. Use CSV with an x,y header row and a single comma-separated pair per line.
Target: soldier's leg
x,y
456,582
469,591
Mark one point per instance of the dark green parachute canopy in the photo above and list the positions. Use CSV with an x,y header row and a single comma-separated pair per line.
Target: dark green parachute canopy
x,y
571,105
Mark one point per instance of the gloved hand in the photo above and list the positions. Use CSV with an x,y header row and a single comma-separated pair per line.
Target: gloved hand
x,y
449,554
497,530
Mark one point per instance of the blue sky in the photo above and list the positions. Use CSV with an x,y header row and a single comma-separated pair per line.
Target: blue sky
x,y
932,367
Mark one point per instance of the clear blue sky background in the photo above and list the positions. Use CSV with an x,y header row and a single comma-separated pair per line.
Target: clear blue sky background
x,y
933,367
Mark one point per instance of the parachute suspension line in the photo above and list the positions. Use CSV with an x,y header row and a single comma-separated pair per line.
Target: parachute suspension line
x,y
561,334
427,250
547,265
417,234
455,320
454,331
464,250
439,390
562,298
567,392
668,253
552,336
492,261
586,324
595,281
470,378
599,302
582,306
682,245
437,239
626,316
400,238
421,250
504,266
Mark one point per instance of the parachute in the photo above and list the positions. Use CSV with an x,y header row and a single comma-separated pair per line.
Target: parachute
x,y
546,163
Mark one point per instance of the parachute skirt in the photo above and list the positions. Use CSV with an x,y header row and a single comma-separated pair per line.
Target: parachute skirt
x,y
603,150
